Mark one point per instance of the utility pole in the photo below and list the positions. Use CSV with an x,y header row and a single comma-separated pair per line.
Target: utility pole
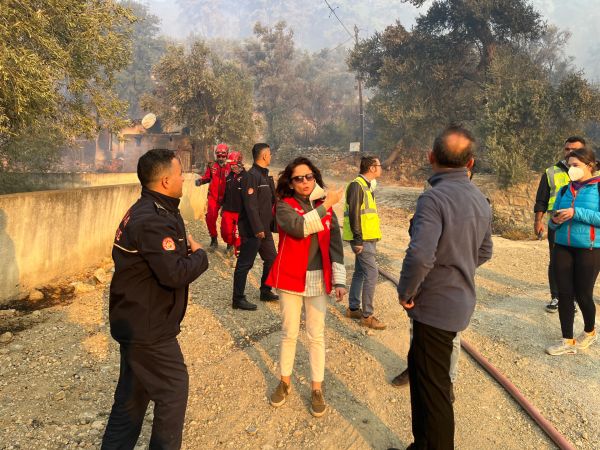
x,y
360,101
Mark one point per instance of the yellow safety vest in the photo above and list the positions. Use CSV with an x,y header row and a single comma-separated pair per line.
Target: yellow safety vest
x,y
557,178
369,220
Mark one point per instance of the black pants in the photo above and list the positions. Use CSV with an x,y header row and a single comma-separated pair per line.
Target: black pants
x,y
551,277
428,368
250,247
155,373
576,270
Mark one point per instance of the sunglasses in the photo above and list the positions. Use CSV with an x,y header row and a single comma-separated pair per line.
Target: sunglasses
x,y
301,178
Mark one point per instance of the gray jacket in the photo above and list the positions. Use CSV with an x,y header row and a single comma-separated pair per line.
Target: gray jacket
x,y
451,237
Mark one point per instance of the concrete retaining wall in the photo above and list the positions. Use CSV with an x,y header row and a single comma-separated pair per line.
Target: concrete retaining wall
x,y
12,183
51,234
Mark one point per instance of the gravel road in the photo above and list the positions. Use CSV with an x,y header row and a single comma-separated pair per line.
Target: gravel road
x,y
58,366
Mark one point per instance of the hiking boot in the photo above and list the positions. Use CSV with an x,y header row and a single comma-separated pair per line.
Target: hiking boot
x,y
552,307
564,347
280,393
401,380
584,340
244,304
357,314
317,403
372,322
214,244
268,296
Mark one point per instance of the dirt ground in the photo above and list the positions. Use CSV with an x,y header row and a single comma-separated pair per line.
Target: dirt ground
x,y
59,366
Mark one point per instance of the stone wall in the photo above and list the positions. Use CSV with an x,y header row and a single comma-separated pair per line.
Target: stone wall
x,y
51,234
512,206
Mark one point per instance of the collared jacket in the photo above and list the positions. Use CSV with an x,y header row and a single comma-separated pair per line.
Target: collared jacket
x,y
153,268
216,175
583,230
258,199
232,200
451,236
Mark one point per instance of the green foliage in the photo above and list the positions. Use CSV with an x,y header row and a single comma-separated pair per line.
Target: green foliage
x,y
211,96
489,65
148,47
57,65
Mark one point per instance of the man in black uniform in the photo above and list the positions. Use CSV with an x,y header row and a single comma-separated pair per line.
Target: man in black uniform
x,y
255,225
154,264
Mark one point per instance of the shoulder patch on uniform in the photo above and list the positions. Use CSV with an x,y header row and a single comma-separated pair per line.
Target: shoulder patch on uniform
x,y
250,191
168,244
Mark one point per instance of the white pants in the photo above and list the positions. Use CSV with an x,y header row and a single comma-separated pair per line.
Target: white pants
x,y
291,311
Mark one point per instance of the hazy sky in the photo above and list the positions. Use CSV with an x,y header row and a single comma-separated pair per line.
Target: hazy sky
x,y
580,17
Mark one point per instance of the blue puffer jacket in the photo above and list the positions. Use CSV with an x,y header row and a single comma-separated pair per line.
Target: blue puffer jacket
x,y
583,230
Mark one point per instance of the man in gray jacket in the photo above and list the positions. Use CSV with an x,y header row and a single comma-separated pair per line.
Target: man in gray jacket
x,y
451,237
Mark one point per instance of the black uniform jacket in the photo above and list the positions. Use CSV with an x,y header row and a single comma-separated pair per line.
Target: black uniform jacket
x,y
149,289
233,192
258,198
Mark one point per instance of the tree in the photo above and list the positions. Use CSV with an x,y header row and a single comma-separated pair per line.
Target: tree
x,y
148,47
197,89
57,66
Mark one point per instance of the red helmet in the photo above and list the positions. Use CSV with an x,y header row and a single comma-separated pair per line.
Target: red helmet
x,y
222,150
235,158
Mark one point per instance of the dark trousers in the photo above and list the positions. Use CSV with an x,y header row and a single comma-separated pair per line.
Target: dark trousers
x,y
576,270
551,277
250,247
156,373
428,368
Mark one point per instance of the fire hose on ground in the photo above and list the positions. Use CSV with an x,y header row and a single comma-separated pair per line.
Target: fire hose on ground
x,y
533,412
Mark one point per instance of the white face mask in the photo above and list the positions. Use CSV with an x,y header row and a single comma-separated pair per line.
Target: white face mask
x,y
373,185
317,193
575,173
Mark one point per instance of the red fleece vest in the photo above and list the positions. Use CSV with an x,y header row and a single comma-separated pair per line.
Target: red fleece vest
x,y
289,269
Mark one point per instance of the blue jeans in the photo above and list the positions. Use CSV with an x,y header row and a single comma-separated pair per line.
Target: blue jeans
x,y
364,279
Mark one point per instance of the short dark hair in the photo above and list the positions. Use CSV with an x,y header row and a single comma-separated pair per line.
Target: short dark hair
x,y
285,177
153,163
257,150
450,154
572,139
585,155
366,162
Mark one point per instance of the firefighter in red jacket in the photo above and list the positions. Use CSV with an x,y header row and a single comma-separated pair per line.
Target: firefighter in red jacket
x,y
216,174
232,203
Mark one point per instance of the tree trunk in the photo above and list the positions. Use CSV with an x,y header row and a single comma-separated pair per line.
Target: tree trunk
x,y
394,154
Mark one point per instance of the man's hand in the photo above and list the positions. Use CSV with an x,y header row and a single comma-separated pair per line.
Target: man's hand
x,y
407,304
193,244
357,249
260,235
538,227
339,294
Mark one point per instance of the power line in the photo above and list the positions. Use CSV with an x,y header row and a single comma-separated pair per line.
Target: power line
x,y
338,19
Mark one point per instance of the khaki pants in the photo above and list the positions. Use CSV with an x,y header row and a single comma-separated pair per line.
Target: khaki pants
x,y
291,310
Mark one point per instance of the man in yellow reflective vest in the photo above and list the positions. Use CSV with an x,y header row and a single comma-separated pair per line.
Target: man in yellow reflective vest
x,y
552,180
361,230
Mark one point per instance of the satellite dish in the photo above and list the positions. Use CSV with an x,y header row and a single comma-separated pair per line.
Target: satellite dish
x,y
148,121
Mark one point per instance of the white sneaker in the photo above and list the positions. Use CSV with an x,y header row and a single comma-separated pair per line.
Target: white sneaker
x,y
564,347
584,340
552,307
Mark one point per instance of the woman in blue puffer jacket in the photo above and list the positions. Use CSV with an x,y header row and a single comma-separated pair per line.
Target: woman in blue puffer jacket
x,y
576,254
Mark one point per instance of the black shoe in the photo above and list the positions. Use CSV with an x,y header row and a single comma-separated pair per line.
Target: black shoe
x,y
214,243
268,296
401,380
243,304
452,397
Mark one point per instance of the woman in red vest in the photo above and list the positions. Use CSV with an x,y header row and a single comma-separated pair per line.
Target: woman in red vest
x,y
308,267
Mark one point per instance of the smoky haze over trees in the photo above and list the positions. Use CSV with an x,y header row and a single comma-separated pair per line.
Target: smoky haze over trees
x,y
495,66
